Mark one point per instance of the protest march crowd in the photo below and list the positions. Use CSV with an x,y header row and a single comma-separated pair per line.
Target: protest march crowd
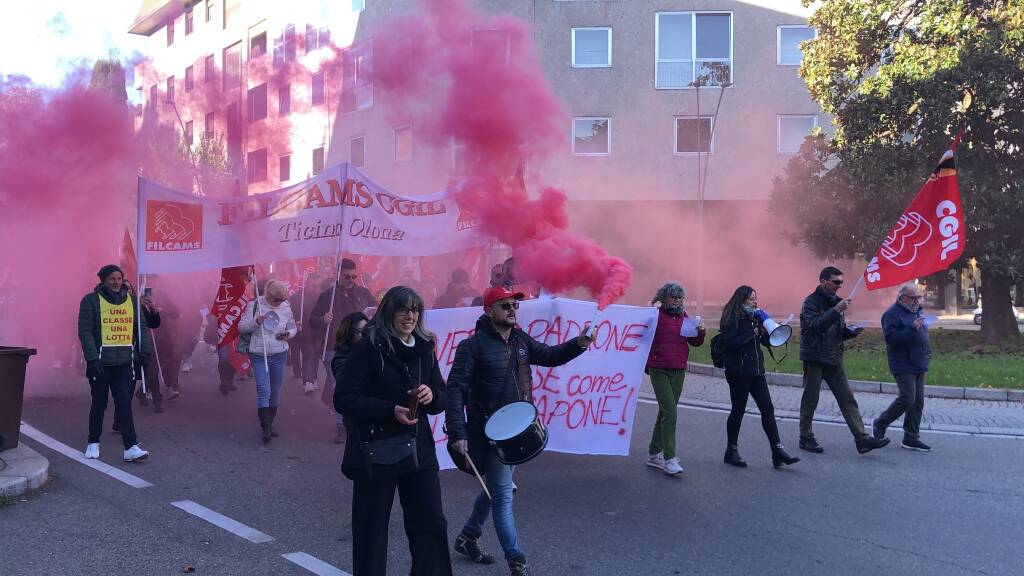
x,y
383,379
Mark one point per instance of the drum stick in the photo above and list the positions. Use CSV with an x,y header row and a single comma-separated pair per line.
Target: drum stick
x,y
482,484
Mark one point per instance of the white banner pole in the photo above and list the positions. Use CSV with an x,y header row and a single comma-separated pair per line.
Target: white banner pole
x,y
263,334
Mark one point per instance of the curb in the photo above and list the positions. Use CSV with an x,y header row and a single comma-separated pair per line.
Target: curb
x,y
1014,433
26,470
930,391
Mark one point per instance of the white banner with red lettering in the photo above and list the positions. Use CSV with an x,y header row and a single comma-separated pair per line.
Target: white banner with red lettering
x,y
588,405
338,210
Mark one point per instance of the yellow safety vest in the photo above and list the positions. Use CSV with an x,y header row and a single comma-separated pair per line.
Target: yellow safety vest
x,y
117,323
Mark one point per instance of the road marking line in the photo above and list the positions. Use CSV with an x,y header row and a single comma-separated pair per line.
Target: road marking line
x,y
221,521
77,456
829,422
314,565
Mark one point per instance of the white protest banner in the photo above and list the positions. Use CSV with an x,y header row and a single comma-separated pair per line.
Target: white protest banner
x,y
588,404
340,209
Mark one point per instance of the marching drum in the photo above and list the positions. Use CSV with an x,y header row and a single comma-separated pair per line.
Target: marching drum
x,y
516,432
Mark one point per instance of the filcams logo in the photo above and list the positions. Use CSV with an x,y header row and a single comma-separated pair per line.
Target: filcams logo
x,y
901,245
466,219
173,226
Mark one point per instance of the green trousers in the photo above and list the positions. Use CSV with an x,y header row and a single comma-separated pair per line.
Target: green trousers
x,y
668,385
835,377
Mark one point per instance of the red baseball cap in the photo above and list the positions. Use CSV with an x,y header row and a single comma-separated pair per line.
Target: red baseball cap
x,y
496,293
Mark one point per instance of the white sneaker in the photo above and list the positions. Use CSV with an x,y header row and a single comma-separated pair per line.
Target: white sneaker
x,y
186,366
672,467
92,451
656,461
134,454
308,388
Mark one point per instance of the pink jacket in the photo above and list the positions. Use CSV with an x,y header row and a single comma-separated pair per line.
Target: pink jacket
x,y
670,351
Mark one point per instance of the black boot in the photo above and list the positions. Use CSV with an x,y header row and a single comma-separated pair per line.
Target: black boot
x,y
264,415
732,456
225,387
273,414
780,457
470,548
517,566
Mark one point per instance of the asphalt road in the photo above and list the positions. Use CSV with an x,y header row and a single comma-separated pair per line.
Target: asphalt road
x,y
957,510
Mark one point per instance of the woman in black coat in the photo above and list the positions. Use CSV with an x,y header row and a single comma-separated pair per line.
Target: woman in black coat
x,y
394,361
742,337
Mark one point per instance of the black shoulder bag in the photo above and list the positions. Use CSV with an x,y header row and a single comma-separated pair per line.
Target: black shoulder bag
x,y
391,457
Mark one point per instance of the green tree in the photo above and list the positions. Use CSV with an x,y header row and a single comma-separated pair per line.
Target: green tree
x,y
108,76
899,78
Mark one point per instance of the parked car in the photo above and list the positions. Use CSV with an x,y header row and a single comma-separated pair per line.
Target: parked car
x,y
977,314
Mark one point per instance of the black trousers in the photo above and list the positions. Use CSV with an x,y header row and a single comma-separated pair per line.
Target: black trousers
x,y
119,383
425,524
740,387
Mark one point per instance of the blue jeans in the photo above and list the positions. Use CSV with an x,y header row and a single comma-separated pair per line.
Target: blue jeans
x,y
498,477
268,386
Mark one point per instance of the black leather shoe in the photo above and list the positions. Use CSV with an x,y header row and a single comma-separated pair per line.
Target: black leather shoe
x,y
867,444
877,430
732,457
780,457
811,445
470,548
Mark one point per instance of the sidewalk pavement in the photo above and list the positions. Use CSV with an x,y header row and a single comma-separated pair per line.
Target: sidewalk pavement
x,y
959,414
26,470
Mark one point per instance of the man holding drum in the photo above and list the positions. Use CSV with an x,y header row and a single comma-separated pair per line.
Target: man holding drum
x,y
492,370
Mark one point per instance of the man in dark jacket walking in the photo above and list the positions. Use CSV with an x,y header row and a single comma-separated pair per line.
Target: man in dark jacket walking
x,y
349,297
116,345
908,349
492,369
822,333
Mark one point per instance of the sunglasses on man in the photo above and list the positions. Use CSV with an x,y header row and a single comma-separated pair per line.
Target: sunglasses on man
x,y
509,306
836,282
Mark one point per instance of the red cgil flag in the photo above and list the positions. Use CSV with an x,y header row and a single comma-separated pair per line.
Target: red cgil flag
x,y
928,237
232,297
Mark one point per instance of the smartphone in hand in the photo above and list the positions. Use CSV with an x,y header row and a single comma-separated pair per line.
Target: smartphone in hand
x,y
413,403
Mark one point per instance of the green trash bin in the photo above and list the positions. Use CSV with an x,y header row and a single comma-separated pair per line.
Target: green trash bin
x,y
13,362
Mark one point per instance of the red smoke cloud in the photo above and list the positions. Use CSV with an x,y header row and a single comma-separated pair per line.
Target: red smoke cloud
x,y
475,78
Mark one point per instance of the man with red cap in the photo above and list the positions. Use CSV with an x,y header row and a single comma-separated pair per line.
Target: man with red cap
x,y
492,369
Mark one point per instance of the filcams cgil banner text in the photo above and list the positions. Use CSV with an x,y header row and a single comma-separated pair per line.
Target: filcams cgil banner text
x,y
340,210
588,405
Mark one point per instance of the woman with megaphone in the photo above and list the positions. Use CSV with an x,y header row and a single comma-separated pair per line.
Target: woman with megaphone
x,y
740,339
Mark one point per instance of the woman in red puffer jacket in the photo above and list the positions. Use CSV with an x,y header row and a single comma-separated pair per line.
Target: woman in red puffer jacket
x,y
667,367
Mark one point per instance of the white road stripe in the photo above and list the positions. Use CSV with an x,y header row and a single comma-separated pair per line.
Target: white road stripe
x,y
826,422
221,521
314,565
77,456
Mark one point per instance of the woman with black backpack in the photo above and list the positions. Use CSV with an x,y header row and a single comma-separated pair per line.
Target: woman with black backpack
x,y
385,389
739,344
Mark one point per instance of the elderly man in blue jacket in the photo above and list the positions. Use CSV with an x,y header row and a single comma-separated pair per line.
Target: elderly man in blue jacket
x,y
906,341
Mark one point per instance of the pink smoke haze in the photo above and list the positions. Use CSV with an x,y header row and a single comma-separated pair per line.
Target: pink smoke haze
x,y
452,68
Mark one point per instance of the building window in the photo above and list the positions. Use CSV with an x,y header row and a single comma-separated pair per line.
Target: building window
x,y
284,46
232,9
691,46
170,32
357,151
284,99
189,134
152,95
403,143
256,165
189,79
591,47
591,136
358,5
317,93
789,39
317,37
357,83
209,10
284,168
491,45
318,160
208,125
792,131
233,66
188,21
693,135
258,45
257,101
170,88
209,72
